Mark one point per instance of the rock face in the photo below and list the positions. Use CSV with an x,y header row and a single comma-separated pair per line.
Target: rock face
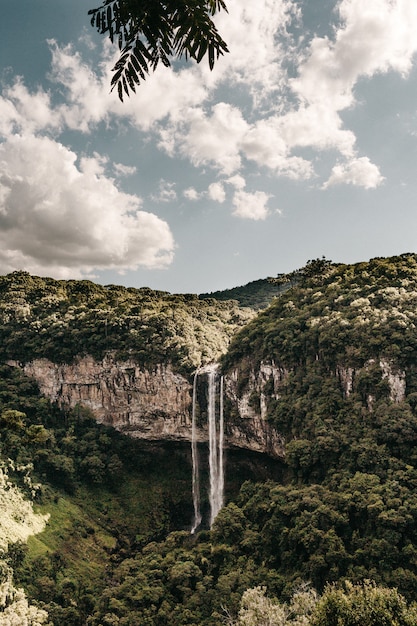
x,y
251,405
150,404
156,404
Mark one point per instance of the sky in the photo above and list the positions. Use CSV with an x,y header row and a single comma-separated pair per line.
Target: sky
x,y
301,143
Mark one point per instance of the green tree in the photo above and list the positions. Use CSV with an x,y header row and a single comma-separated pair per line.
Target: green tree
x,y
363,605
153,31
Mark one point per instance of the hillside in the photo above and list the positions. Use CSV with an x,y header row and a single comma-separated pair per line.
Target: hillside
x,y
330,366
258,294
47,318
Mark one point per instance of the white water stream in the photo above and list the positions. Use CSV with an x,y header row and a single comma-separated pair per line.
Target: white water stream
x,y
194,454
216,446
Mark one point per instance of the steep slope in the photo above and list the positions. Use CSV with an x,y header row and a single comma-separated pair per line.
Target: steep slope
x,y
338,346
126,354
341,336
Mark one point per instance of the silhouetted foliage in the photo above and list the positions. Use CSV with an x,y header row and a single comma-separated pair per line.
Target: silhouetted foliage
x,y
152,31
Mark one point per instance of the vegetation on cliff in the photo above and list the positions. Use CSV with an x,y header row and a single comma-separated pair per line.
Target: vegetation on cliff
x,y
58,320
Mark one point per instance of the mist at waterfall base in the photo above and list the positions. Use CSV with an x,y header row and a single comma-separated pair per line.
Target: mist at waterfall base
x,y
215,420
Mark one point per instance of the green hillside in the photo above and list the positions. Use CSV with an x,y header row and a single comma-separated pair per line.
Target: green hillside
x,y
43,317
258,294
340,509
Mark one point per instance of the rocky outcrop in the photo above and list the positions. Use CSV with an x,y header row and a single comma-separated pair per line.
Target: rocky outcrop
x,y
156,404
150,404
250,403
395,377
396,380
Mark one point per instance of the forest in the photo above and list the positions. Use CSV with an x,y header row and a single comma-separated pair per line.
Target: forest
x,y
325,536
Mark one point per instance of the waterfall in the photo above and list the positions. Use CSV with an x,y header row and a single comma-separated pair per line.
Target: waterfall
x,y
216,437
194,455
216,445
220,489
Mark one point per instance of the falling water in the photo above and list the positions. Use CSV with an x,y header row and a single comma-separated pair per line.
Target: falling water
x,y
216,437
194,454
216,444
220,489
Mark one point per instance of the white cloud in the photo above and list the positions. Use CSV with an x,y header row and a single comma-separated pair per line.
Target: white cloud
x,y
216,192
378,36
250,205
191,194
214,139
22,111
237,181
264,144
251,29
166,192
65,221
164,95
375,36
124,170
360,172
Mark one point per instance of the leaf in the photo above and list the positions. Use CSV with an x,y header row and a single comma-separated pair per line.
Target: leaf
x,y
120,90
138,67
211,56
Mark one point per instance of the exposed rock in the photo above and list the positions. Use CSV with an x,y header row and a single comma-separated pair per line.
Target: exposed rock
x,y
250,401
396,380
147,404
346,376
395,377
157,404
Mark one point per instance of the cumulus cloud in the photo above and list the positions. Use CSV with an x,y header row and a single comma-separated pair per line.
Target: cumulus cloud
x,y
360,172
124,170
372,37
23,111
367,40
176,107
213,139
256,34
65,220
165,95
249,205
237,181
216,192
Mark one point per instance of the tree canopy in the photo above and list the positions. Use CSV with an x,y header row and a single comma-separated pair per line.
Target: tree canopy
x,y
150,31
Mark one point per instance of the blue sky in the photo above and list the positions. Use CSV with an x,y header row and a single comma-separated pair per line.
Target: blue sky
x,y
302,142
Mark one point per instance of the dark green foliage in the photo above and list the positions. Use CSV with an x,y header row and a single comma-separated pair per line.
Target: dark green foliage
x,y
346,316
257,294
59,320
152,31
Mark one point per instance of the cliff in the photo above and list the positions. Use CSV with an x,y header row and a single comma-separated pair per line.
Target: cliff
x,y
153,404
156,404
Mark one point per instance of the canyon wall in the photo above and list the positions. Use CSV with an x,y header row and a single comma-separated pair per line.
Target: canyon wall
x,y
153,404
156,403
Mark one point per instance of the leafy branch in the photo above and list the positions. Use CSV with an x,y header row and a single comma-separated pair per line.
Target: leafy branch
x,y
152,31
